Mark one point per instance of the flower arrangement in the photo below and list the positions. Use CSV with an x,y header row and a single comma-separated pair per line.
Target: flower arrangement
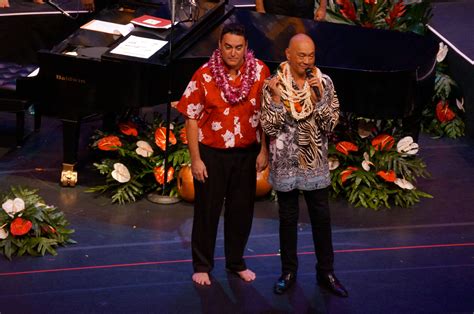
x,y
371,167
29,226
132,159
445,115
408,15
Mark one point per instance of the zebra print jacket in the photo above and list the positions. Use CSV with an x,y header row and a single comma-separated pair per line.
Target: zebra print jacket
x,y
298,149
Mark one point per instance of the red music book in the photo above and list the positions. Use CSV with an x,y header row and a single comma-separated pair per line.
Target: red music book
x,y
151,22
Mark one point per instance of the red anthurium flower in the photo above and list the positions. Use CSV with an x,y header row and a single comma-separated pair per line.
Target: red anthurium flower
x,y
160,138
346,147
397,11
20,226
347,172
128,128
183,137
389,176
383,142
443,112
109,143
347,9
159,173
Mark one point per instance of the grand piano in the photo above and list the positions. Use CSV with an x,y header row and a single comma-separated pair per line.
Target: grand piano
x,y
377,73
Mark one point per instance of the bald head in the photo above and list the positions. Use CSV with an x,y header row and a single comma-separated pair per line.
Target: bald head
x,y
300,54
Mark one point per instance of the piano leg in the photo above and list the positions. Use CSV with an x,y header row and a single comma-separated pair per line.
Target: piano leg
x,y
71,131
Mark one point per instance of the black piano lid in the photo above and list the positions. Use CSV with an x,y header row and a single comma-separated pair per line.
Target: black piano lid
x,y
338,45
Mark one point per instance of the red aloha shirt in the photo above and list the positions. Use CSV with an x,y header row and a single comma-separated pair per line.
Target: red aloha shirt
x,y
222,125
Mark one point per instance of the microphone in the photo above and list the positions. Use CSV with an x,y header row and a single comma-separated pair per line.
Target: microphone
x,y
309,74
57,7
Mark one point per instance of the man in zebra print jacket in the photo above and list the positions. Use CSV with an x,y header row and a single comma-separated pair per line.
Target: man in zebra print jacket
x,y
299,107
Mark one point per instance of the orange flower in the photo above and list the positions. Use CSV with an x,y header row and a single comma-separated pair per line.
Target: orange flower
x,y
20,226
183,137
347,172
109,143
383,142
389,176
397,11
443,112
128,128
346,147
160,138
159,173
347,9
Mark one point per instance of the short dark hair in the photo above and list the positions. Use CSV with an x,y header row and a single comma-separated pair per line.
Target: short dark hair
x,y
235,29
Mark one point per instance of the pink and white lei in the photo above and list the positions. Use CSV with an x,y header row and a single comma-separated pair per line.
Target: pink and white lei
x,y
233,94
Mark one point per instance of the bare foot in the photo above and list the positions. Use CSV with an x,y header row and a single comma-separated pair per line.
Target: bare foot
x,y
247,275
202,279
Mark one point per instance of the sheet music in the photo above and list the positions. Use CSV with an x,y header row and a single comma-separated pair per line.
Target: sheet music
x,y
108,27
139,47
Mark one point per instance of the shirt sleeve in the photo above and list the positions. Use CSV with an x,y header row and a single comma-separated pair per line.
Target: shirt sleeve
x,y
272,118
326,113
191,104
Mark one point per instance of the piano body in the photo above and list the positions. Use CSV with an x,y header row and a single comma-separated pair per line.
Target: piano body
x,y
377,73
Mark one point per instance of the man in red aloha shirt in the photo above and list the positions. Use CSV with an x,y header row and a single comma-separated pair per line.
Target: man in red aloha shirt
x,y
222,109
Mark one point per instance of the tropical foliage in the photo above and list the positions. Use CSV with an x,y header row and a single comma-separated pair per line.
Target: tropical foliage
x,y
373,166
29,226
444,116
132,159
408,15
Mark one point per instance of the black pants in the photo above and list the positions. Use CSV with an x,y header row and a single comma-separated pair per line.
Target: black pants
x,y
231,179
298,8
318,207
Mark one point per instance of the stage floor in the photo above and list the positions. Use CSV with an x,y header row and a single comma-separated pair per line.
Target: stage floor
x,y
136,258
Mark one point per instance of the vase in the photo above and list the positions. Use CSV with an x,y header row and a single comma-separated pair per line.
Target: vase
x,y
263,187
185,184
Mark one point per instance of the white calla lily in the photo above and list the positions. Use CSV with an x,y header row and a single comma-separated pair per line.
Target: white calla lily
x,y
407,146
11,207
121,173
404,184
144,149
442,52
366,163
333,163
3,234
460,104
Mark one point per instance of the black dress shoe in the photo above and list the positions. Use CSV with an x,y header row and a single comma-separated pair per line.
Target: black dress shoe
x,y
284,283
330,282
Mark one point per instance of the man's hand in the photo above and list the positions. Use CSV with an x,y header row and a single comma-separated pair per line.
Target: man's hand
x,y
274,89
4,4
262,160
89,5
320,14
314,82
199,171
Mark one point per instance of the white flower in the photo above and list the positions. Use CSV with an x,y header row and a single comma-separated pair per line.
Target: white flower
x,y
121,173
442,52
229,139
216,125
144,149
366,163
254,119
207,77
3,234
223,97
333,163
200,135
253,102
460,104
226,111
404,184
194,110
406,146
11,207
190,89
237,127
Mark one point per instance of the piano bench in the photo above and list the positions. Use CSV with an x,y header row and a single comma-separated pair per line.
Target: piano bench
x,y
11,102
